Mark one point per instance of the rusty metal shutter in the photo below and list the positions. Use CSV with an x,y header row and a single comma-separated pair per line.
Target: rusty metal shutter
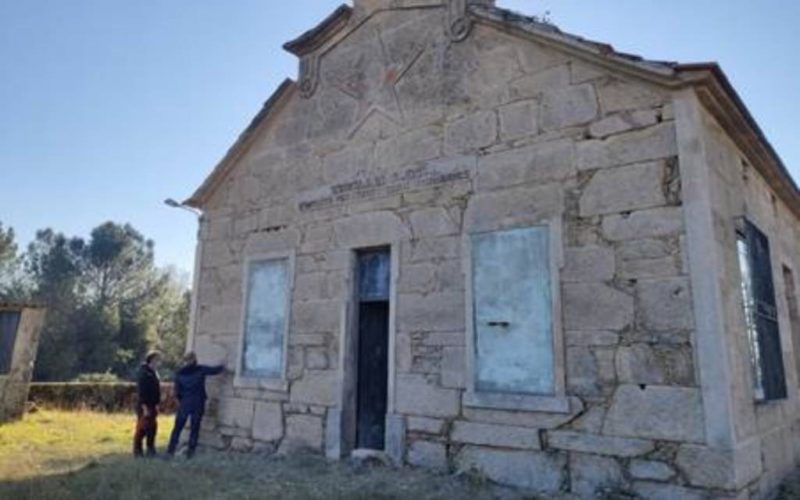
x,y
766,313
9,321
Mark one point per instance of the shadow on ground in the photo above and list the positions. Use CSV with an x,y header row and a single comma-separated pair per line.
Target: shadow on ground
x,y
215,475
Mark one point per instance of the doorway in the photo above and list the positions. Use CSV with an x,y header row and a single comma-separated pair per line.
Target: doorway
x,y
373,306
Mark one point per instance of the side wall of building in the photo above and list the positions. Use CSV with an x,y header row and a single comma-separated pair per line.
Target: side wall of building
x,y
489,133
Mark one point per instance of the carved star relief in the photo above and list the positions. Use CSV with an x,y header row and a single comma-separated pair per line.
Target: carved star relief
x,y
374,83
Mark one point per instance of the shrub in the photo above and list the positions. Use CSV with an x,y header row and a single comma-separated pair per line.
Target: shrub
x,y
106,378
99,396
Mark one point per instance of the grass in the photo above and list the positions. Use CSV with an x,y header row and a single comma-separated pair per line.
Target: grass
x,y
84,455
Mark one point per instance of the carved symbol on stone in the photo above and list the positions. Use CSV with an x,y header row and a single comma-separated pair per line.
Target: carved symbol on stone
x,y
374,82
459,24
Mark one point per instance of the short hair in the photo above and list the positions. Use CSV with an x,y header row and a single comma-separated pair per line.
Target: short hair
x,y
151,356
190,358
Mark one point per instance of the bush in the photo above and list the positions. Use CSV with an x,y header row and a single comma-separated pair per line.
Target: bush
x,y
105,378
98,396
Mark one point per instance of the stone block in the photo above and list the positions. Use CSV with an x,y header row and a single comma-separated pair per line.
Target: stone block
x,y
720,469
656,412
583,374
595,477
618,95
568,106
347,164
416,396
471,133
267,421
539,471
432,222
535,84
519,119
302,432
428,454
236,412
316,358
591,338
589,263
536,420
663,221
370,229
595,306
624,189
655,364
316,387
428,249
495,435
395,438
432,312
651,143
404,149
661,491
426,425
652,470
538,163
664,304
599,445
315,316
623,122
454,367
513,207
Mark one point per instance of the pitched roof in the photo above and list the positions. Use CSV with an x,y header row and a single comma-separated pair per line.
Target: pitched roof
x,y
714,89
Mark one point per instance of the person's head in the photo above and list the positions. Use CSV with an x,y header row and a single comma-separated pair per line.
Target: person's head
x,y
152,359
190,359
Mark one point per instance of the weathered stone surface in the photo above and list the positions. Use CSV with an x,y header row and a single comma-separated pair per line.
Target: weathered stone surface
x,y
495,435
316,387
347,164
267,421
426,425
539,471
428,454
432,222
583,373
303,431
656,412
592,477
472,132
622,189
618,95
494,210
648,469
589,263
623,122
591,338
654,222
651,143
369,229
594,306
416,145
547,161
454,367
534,84
661,491
315,316
655,364
568,106
437,312
236,412
600,445
537,420
664,304
713,468
519,119
415,396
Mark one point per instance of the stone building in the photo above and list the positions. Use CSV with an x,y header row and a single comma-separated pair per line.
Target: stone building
x,y
20,326
471,241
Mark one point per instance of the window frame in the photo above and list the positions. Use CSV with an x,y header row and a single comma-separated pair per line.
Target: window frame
x,y
758,369
242,380
558,402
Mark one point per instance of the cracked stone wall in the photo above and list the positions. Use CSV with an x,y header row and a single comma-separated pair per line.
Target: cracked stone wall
x,y
15,384
487,133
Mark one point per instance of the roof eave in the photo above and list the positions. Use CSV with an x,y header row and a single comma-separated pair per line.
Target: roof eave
x,y
319,34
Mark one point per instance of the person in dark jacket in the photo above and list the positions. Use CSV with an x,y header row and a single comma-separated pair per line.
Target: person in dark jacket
x,y
147,400
190,390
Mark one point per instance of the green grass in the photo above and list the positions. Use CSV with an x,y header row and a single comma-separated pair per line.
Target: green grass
x,y
84,455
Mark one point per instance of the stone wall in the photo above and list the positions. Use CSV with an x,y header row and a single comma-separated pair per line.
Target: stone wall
x,y
14,385
488,133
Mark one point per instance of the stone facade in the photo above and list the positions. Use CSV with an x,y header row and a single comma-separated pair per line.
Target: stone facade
x,y
419,123
14,384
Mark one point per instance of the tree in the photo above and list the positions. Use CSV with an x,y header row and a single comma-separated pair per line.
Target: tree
x,y
12,284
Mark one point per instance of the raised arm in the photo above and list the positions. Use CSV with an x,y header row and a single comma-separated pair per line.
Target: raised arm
x,y
213,370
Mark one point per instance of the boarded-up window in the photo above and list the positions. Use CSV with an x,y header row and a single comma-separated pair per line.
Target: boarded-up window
x,y
761,315
9,321
513,312
265,318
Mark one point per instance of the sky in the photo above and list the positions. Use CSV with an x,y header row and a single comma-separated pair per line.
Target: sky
x,y
108,107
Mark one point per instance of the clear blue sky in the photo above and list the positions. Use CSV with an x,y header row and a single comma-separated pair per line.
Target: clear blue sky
x,y
107,107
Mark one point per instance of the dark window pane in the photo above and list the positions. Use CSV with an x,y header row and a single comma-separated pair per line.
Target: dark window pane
x,y
9,321
374,268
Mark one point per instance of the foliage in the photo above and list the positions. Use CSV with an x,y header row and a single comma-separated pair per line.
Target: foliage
x,y
95,395
12,285
104,378
107,302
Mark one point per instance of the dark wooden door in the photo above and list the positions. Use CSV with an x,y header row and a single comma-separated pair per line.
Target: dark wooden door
x,y
373,348
9,321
